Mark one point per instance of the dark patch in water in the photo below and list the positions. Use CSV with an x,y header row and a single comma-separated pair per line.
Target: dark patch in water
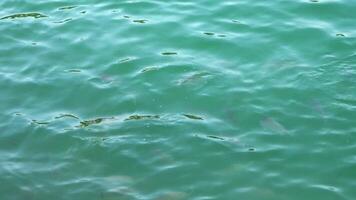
x,y
87,123
230,143
125,60
67,7
74,70
251,149
236,21
212,34
141,21
215,137
142,117
66,116
209,33
169,53
39,122
24,15
126,16
193,117
194,77
340,35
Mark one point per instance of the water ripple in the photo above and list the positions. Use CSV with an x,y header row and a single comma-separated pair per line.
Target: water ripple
x,y
177,100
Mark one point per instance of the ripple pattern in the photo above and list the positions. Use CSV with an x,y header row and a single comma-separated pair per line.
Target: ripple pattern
x,y
177,100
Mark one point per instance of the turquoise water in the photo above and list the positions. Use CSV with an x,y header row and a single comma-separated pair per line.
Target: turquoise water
x,y
174,100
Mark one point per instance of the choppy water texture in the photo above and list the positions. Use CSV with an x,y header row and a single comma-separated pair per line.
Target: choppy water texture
x,y
164,99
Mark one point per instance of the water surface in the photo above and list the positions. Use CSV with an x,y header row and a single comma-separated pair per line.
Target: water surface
x,y
173,100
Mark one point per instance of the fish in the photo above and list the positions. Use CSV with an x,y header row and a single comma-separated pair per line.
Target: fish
x,y
90,122
142,117
230,143
141,21
193,117
194,78
86,123
169,53
273,125
215,137
148,69
67,7
23,15
74,70
209,33
66,116
39,122
318,108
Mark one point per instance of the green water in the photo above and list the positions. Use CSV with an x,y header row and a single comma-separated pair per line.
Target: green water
x,y
177,99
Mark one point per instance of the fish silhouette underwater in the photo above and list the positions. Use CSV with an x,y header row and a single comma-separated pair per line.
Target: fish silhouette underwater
x,y
273,125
